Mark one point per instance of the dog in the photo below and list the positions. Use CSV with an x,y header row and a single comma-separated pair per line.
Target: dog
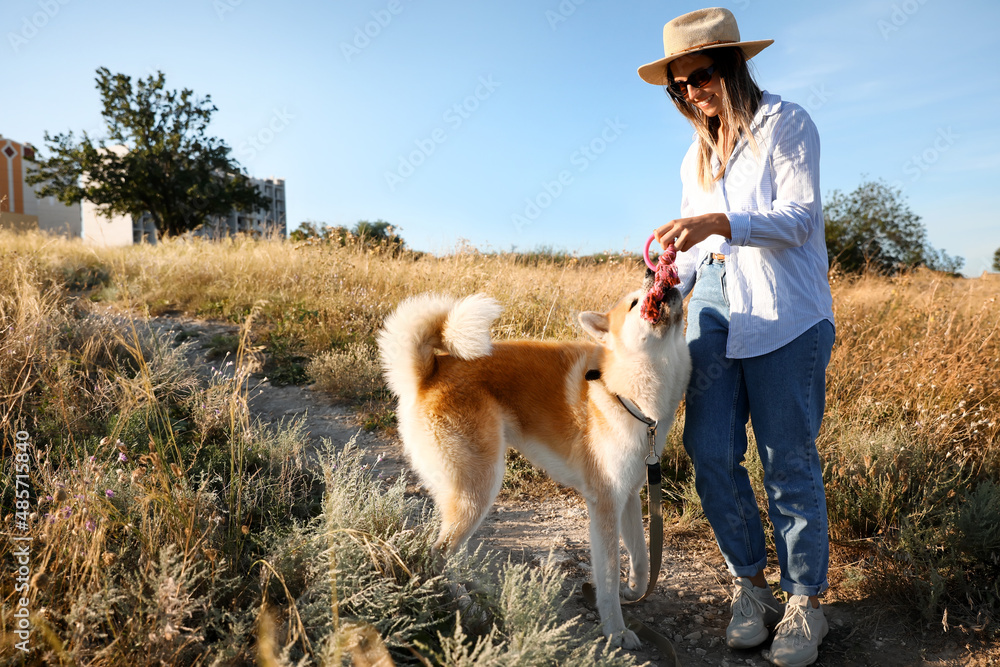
x,y
463,399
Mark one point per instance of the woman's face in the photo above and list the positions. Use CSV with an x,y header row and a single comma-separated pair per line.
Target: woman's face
x,y
708,98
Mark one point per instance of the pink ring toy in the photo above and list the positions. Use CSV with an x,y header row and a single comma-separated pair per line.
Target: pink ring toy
x,y
645,253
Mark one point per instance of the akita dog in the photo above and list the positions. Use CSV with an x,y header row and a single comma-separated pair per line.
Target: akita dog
x,y
464,399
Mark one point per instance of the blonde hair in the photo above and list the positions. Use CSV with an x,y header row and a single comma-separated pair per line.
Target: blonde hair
x,y
740,99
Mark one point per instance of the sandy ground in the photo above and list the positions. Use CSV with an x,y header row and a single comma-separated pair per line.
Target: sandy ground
x,y
690,604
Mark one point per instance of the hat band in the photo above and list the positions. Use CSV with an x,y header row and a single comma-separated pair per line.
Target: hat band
x,y
697,47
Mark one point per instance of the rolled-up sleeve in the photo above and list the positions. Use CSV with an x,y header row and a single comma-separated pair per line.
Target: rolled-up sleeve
x,y
776,259
796,208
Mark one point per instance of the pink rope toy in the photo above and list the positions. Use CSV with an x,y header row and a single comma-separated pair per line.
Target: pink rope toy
x,y
666,277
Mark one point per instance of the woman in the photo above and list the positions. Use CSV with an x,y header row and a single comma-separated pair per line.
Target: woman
x,y
752,253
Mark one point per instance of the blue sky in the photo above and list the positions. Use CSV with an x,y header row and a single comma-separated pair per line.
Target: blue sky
x,y
451,119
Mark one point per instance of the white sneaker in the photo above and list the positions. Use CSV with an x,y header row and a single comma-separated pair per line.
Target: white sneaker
x,y
755,610
799,634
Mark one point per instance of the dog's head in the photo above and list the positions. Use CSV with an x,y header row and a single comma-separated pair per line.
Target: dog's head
x,y
623,330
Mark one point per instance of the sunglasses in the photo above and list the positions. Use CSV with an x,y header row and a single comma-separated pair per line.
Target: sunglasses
x,y
697,78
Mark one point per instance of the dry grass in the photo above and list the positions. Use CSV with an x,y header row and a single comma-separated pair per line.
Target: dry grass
x,y
169,527
336,294
911,441
920,353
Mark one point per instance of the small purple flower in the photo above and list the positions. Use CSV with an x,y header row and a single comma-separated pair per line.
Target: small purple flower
x,y
122,457
109,493
89,525
91,459
48,498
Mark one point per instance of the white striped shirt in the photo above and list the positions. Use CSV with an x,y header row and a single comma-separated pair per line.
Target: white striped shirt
x,y
776,261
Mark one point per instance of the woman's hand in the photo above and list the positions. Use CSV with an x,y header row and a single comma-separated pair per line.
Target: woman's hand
x,y
685,232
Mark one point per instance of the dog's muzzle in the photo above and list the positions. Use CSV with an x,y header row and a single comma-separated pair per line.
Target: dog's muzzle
x,y
672,308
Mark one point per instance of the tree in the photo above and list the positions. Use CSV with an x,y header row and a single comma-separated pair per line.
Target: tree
x,y
379,235
874,228
379,232
167,164
996,260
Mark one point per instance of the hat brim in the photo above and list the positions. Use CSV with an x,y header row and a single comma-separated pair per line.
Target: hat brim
x,y
656,72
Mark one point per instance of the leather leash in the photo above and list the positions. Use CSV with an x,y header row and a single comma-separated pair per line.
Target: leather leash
x,y
654,503
654,500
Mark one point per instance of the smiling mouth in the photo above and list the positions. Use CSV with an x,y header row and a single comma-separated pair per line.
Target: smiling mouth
x,y
705,101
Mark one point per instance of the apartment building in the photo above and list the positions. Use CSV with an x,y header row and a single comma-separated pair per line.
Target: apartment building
x,y
24,209
21,207
270,220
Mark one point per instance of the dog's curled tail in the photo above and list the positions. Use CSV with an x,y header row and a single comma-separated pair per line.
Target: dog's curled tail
x,y
429,322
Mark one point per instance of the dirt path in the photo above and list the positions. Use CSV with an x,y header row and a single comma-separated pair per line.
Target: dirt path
x,y
691,602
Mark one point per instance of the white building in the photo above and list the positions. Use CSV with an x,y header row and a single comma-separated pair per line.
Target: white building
x,y
260,222
124,230
23,209
118,230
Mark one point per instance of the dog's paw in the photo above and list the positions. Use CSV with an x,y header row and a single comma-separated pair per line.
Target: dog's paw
x,y
468,601
631,591
621,636
626,639
630,641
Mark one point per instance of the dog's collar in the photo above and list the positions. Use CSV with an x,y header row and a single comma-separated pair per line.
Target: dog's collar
x,y
634,410
652,460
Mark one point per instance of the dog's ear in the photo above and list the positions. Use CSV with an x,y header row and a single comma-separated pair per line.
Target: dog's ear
x,y
596,324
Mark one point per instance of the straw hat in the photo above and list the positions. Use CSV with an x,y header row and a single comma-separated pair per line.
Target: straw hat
x,y
702,29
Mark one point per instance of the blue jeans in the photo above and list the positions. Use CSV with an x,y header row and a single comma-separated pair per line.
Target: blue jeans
x,y
784,392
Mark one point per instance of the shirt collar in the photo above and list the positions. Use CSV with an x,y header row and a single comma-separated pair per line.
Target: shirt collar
x,y
769,105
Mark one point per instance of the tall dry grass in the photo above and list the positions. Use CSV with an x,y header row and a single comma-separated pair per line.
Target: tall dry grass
x,y
911,441
920,352
336,294
170,527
